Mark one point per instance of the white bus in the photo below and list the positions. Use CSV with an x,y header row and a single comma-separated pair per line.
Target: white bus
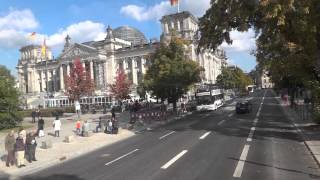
x,y
209,99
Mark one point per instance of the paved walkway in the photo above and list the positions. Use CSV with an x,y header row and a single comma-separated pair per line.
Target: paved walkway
x,y
309,130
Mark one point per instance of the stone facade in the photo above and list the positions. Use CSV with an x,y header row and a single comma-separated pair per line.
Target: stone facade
x,y
42,79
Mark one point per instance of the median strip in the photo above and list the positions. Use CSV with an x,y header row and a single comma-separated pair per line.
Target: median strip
x,y
107,164
169,163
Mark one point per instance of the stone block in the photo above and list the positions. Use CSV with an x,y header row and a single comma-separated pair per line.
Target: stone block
x,y
87,134
69,139
46,144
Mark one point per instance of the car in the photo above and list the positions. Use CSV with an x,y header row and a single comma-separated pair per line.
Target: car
x,y
243,106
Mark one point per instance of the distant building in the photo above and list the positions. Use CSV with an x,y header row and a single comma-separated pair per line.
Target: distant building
x,y
265,80
41,80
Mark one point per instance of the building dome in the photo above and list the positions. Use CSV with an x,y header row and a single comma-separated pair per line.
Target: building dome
x,y
130,34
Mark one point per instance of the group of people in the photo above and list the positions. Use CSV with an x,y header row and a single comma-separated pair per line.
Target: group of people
x,y
109,127
34,114
19,147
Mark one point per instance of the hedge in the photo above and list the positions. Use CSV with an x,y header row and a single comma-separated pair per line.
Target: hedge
x,y
49,112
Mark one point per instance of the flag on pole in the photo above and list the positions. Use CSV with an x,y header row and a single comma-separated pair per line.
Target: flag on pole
x,y
174,2
32,36
44,49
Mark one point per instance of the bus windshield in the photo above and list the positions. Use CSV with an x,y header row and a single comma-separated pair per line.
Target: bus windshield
x,y
204,100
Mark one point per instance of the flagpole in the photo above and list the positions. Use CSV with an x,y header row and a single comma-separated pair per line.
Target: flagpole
x,y
178,6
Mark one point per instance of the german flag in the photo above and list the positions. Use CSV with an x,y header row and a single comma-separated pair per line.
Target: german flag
x,y
174,2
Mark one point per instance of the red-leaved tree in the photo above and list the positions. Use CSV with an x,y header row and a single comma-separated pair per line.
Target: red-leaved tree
x,y
78,82
121,88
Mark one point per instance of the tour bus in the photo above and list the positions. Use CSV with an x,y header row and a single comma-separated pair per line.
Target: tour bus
x,y
251,88
209,98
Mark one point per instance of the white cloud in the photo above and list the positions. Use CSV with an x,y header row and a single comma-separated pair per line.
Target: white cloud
x,y
14,27
79,32
242,41
155,12
20,20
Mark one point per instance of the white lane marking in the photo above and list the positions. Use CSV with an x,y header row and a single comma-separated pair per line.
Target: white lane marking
x,y
166,135
240,165
169,163
221,122
107,164
205,135
251,134
230,115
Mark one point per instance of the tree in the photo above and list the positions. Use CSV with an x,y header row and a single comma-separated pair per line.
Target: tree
x,y
9,100
121,87
233,77
78,82
171,74
287,33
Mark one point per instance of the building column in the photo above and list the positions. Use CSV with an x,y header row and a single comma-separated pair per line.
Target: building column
x,y
91,70
61,78
54,79
134,71
143,69
43,80
68,69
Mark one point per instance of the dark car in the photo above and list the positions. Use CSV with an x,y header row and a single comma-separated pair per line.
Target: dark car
x,y
243,106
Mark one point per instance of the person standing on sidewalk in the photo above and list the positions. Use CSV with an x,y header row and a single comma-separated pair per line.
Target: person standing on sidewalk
x,y
38,113
40,127
31,145
113,113
57,127
78,127
33,115
20,150
9,147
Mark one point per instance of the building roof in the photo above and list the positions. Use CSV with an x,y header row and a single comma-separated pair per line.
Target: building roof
x,y
130,34
181,15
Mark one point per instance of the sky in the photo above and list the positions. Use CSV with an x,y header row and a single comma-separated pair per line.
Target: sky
x,y
87,20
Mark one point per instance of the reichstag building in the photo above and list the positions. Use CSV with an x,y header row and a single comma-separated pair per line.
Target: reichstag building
x,y
41,80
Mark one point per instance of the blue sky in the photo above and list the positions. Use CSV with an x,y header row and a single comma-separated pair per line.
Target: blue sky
x,y
87,20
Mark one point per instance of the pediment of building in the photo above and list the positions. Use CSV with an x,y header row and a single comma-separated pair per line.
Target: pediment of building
x,y
78,51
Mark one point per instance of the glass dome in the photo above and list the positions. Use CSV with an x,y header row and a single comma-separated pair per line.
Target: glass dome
x,y
130,34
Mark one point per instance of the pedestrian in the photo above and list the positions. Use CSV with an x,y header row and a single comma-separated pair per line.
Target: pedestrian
x,y
78,127
100,126
38,113
113,113
31,145
33,115
57,127
40,127
23,133
9,147
20,150
115,126
85,127
109,127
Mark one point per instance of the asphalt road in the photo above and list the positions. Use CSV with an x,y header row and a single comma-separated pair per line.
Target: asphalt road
x,y
261,145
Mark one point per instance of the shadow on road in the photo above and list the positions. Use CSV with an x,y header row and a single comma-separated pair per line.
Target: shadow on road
x,y
54,177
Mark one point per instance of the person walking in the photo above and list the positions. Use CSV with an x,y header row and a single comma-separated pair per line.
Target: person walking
x,y
57,127
23,133
9,147
85,127
40,127
33,115
113,113
31,145
20,150
78,127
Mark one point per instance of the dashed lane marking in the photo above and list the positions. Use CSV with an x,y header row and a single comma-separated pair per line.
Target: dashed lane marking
x,y
166,135
169,163
221,122
205,135
238,171
117,159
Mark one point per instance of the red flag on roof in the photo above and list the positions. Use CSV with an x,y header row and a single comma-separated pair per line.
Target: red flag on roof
x,y
174,2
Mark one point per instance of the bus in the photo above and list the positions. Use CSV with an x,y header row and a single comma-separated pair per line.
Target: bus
x,y
251,88
209,98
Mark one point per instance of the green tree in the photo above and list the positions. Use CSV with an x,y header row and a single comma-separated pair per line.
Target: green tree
x,y
171,73
233,78
287,32
9,100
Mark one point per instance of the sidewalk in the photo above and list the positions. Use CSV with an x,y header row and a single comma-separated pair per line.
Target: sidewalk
x,y
62,151
309,130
